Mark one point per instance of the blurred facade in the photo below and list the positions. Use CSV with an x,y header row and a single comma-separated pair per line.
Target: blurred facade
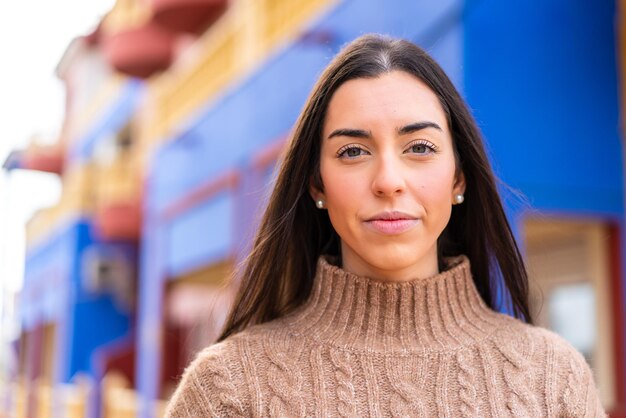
x,y
176,114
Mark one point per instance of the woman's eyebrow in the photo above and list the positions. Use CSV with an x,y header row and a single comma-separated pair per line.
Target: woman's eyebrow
x,y
418,126
359,133
354,133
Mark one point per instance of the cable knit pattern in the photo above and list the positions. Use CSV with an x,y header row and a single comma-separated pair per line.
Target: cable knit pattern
x,y
345,388
212,390
550,382
363,348
286,380
225,391
467,382
408,383
574,382
521,400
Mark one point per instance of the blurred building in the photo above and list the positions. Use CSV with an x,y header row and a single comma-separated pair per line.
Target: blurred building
x,y
176,114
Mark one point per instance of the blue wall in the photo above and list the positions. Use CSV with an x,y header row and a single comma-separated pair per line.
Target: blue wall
x,y
211,222
541,79
84,321
96,319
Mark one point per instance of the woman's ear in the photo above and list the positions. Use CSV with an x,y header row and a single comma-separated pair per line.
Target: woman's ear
x,y
316,194
459,184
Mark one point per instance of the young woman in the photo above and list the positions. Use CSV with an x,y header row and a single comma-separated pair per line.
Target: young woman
x,y
372,286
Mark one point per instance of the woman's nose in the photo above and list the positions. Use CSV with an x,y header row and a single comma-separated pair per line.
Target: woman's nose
x,y
388,179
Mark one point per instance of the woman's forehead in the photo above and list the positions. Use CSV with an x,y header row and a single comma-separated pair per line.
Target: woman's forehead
x,y
394,98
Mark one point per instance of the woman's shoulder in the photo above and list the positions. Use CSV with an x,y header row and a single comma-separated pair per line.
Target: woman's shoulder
x,y
214,383
211,384
550,358
532,340
515,332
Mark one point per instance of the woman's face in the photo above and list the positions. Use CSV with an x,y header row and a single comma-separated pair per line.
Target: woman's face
x,y
388,169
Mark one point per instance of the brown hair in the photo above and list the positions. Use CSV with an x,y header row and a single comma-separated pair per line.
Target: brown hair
x,y
277,276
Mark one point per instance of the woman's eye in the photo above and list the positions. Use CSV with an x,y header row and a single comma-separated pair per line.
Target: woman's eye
x,y
352,152
422,148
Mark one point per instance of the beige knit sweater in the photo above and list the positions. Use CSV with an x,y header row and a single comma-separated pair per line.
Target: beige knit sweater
x,y
362,348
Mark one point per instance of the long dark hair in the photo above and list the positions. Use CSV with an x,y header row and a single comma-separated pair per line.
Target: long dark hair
x,y
277,276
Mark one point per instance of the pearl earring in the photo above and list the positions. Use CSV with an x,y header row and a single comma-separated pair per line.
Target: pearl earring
x,y
320,204
458,198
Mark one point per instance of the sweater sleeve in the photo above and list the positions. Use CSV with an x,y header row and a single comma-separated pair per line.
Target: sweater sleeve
x,y
579,396
208,388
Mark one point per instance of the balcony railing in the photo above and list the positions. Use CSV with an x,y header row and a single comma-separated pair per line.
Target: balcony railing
x,y
247,33
116,181
118,199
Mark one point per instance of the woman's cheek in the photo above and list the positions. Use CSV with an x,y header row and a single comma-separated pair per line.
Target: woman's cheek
x,y
344,189
437,186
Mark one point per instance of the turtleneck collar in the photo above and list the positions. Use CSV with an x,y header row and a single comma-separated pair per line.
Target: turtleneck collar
x,y
442,312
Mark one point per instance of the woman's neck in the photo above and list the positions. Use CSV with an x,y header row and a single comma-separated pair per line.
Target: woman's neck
x,y
394,270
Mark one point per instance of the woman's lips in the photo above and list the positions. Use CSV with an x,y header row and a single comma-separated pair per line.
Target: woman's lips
x,y
391,223
391,226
